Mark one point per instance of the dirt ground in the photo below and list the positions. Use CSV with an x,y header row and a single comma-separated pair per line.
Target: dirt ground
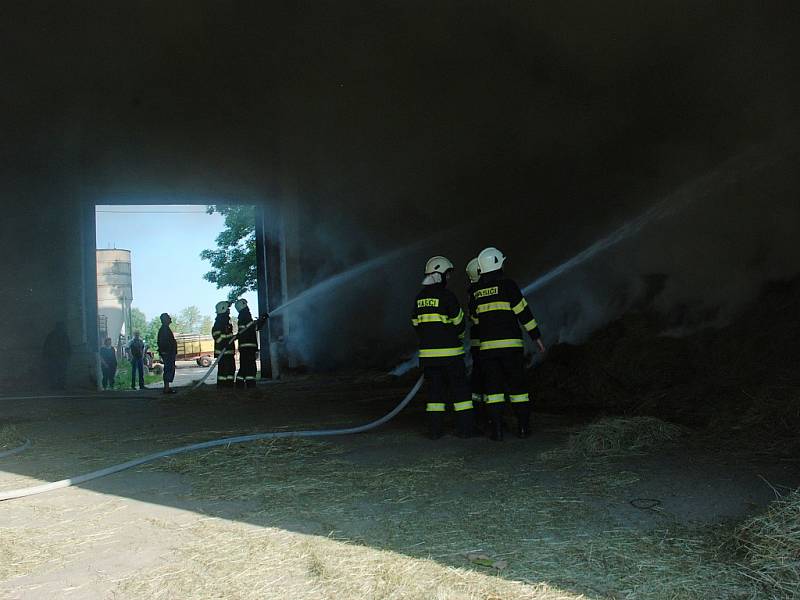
x,y
385,514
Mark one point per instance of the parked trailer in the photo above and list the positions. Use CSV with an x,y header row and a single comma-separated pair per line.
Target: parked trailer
x,y
193,346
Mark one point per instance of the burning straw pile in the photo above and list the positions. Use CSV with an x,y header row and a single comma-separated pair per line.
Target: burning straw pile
x,y
770,544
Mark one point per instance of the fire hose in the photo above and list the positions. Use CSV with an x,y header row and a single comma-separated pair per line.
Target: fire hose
x,y
76,480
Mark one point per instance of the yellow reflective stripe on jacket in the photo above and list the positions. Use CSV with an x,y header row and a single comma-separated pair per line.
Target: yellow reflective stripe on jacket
x,y
475,343
466,405
439,318
435,407
530,325
475,320
247,345
495,398
432,318
482,308
495,344
440,352
519,398
520,307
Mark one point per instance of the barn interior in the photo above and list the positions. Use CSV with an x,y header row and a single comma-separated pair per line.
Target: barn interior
x,y
636,163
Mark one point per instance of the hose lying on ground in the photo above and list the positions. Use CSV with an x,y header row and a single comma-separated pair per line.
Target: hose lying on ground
x,y
47,487
24,446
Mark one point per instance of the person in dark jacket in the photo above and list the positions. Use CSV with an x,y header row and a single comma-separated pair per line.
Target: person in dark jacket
x,y
498,306
439,322
56,353
108,364
137,349
224,345
248,345
168,349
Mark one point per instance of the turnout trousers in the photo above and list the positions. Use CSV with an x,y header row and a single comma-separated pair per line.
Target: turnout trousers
x,y
504,373
246,377
226,370
447,383
477,387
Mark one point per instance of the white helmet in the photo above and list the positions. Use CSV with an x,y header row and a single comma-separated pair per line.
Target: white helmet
x,y
438,264
223,307
473,272
240,304
490,259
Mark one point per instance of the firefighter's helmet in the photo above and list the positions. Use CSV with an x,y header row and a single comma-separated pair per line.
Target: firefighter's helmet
x,y
473,272
240,304
438,264
490,259
223,307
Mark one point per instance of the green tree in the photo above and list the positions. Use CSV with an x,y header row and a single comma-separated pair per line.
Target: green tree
x,y
233,263
138,321
206,324
150,334
188,320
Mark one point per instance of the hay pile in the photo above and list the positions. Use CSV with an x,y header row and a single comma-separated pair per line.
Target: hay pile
x,y
10,438
620,434
770,544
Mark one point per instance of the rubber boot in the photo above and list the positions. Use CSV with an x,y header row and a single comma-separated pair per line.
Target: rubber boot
x,y
251,384
480,413
523,414
465,424
496,430
435,425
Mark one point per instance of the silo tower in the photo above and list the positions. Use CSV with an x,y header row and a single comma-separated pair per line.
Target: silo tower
x,y
114,294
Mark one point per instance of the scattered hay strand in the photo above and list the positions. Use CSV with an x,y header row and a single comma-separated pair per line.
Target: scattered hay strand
x,y
623,434
10,437
770,543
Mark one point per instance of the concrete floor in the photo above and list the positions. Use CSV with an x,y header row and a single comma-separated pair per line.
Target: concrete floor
x,y
87,542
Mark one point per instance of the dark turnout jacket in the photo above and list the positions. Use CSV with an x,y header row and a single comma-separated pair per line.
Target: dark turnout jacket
x,y
247,338
439,322
498,307
222,332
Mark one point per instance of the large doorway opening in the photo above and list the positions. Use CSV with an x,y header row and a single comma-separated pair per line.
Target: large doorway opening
x,y
176,259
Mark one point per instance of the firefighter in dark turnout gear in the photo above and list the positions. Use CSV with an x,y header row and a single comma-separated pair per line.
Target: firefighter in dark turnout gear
x,y
439,322
224,346
248,346
476,376
498,306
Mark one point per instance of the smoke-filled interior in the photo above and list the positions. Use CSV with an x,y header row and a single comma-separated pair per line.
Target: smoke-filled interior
x,y
637,164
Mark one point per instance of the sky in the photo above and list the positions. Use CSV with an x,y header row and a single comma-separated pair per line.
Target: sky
x,y
165,243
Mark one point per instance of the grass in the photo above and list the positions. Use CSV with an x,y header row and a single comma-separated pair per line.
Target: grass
x,y
122,379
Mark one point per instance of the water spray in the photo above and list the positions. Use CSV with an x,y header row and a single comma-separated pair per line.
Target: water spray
x,y
671,204
323,286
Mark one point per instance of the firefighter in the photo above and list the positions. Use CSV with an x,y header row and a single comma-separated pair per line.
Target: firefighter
x,y
248,346
224,346
439,322
497,305
476,376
